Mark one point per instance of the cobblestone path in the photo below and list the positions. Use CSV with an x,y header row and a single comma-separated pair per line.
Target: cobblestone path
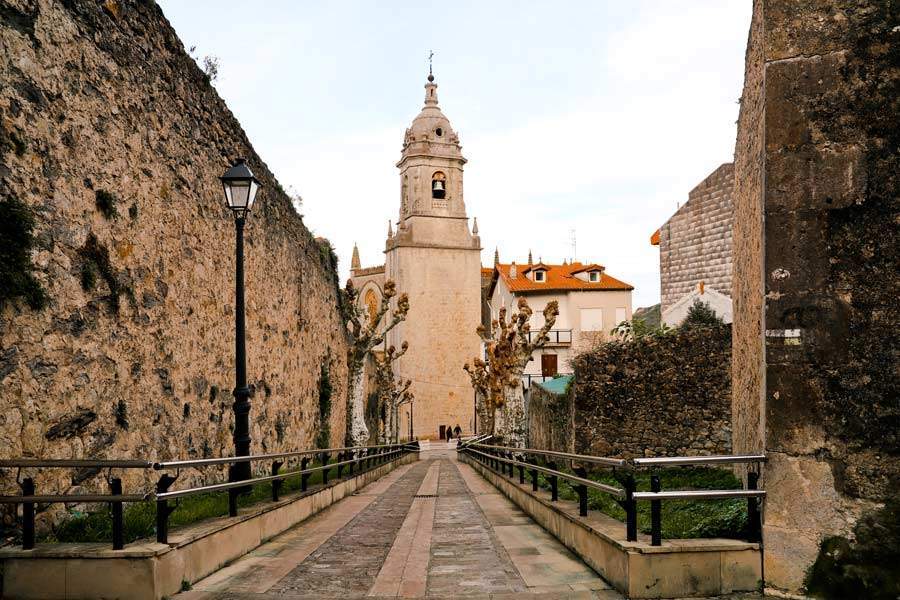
x,y
430,529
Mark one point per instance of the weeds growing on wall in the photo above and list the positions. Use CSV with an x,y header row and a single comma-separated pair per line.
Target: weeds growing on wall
x,y
95,263
17,280
323,439
106,204
681,519
140,518
865,567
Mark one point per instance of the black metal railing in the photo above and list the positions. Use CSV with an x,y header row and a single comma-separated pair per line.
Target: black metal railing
x,y
555,337
358,458
505,459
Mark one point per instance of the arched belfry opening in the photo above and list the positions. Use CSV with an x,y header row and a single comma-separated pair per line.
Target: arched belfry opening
x,y
439,185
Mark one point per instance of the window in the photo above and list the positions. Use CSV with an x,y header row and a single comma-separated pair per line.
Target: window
x,y
539,275
371,301
439,185
592,319
439,132
594,276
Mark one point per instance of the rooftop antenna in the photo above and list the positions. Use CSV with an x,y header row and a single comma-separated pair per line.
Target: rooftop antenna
x,y
573,241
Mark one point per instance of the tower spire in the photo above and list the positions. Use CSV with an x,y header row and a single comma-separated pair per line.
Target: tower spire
x,y
390,229
496,256
529,257
354,262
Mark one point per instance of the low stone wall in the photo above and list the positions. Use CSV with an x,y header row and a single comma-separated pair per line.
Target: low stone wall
x,y
147,570
655,396
676,569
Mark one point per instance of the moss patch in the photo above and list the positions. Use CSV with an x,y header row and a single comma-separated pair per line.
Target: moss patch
x,y
866,567
323,439
95,263
17,280
106,204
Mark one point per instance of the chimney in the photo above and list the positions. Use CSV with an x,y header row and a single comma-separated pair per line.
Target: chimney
x,y
512,270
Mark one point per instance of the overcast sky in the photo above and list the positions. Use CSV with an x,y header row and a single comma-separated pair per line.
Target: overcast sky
x,y
593,116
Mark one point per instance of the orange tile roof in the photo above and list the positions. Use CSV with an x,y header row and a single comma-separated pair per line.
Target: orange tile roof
x,y
558,278
654,239
487,271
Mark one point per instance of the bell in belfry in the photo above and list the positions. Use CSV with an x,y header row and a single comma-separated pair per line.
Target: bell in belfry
x,y
438,186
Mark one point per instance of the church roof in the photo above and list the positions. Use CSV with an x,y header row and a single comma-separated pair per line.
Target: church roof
x,y
430,132
559,278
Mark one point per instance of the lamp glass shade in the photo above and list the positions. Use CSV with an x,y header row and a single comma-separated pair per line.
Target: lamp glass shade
x,y
240,187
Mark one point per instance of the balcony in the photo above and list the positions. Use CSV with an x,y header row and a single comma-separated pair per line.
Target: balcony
x,y
557,337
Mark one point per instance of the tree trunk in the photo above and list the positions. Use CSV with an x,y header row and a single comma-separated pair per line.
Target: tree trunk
x,y
357,432
514,426
395,423
485,416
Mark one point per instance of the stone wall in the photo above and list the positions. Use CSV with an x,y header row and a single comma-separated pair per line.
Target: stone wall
x,y
655,396
550,419
122,139
816,338
695,243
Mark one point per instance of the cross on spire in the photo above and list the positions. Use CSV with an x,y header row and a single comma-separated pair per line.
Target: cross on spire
x,y
430,74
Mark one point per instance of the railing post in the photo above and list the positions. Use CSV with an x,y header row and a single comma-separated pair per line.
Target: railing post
x,y
351,455
118,525
534,476
162,509
754,524
324,458
582,492
276,483
655,513
521,470
27,486
340,467
630,506
304,477
554,483
233,493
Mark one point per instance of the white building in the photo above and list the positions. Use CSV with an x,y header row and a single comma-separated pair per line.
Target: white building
x,y
591,303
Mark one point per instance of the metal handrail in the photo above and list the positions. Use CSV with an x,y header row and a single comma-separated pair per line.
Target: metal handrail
x,y
674,461
362,456
628,498
600,460
225,460
609,489
69,462
699,495
218,487
75,498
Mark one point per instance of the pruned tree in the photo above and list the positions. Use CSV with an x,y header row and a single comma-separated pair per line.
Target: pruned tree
x,y
366,332
498,379
392,392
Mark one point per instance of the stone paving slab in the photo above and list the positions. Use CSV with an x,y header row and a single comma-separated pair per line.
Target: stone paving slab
x,y
433,529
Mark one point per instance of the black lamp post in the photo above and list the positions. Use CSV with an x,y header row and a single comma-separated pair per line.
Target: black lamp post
x,y
240,188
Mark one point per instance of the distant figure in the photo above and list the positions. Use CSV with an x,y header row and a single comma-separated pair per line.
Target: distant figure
x,y
449,433
457,431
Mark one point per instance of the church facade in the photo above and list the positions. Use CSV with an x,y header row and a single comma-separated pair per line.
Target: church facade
x,y
433,256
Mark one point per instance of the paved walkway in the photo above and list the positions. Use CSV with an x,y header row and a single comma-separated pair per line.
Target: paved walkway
x,y
431,529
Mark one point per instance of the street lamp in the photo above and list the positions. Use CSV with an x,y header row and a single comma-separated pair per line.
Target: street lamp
x,y
240,187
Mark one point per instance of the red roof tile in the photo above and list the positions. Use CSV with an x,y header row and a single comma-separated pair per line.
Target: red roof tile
x,y
559,278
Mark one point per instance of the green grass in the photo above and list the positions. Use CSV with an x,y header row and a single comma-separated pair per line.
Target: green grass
x,y
681,519
140,517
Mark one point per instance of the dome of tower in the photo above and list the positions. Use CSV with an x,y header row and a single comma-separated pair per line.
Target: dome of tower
x,y
430,132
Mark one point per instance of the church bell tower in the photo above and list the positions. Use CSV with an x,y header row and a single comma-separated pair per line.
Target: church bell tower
x,y
435,258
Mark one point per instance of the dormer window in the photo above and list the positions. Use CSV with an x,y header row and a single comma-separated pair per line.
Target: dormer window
x,y
439,186
540,276
594,276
